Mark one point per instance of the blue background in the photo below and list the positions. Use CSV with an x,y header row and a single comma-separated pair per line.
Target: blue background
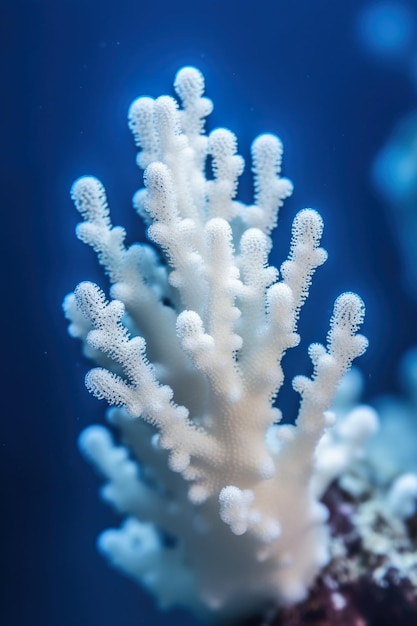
x,y
69,71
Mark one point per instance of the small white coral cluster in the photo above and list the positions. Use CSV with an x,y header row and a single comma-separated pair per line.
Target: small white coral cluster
x,y
222,503
378,491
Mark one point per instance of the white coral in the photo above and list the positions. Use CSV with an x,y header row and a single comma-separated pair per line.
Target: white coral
x,y
193,346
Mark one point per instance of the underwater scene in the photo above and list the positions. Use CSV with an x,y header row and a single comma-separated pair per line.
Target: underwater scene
x,y
210,226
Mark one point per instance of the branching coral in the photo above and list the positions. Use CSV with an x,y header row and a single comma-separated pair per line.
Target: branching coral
x,y
222,502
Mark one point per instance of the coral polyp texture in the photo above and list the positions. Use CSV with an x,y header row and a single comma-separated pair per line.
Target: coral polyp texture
x,y
222,504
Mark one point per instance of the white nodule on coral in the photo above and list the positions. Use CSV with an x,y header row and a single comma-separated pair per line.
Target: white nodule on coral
x,y
222,502
237,512
402,496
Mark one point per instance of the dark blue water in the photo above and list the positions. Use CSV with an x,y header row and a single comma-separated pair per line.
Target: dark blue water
x,y
69,71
